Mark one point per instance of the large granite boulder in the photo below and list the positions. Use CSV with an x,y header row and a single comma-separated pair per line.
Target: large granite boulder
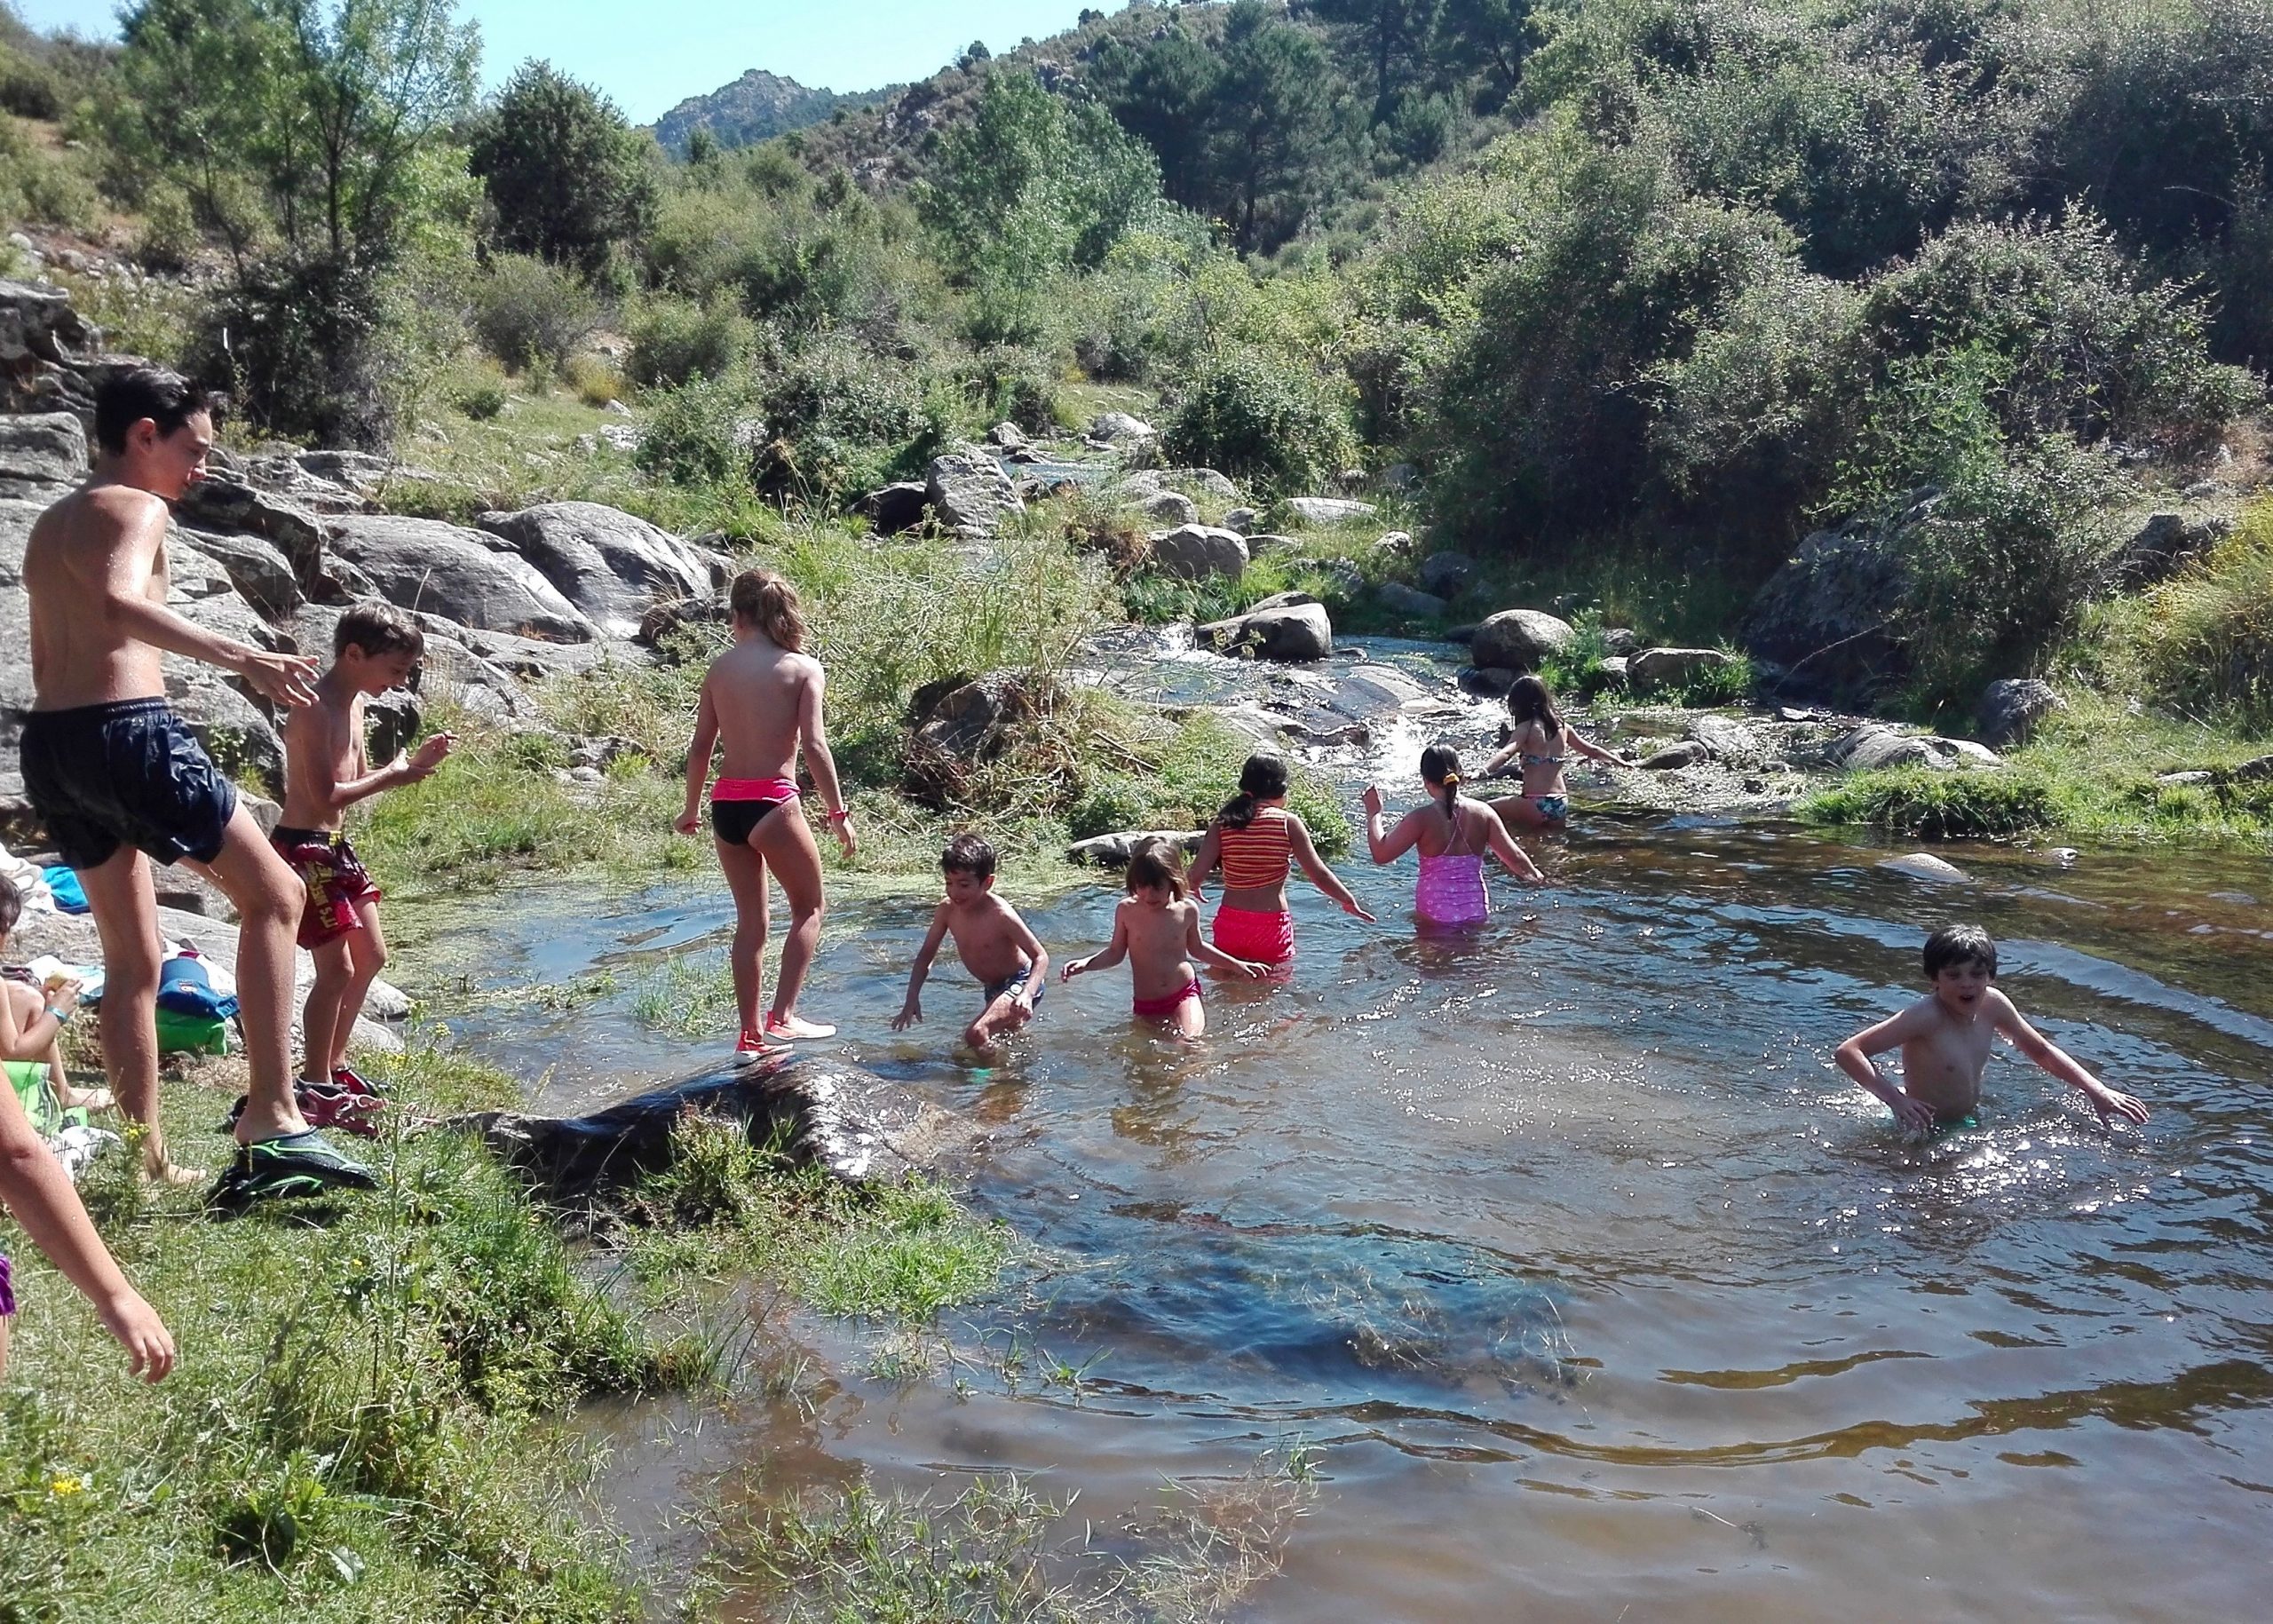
x,y
2010,710
1519,639
1411,601
2165,545
1825,618
1447,574
1673,668
1169,508
464,575
234,731
612,566
1192,552
1328,510
892,510
1292,627
1120,429
971,493
261,575
41,456
226,504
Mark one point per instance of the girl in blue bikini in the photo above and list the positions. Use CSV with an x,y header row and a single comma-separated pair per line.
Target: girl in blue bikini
x,y
1543,742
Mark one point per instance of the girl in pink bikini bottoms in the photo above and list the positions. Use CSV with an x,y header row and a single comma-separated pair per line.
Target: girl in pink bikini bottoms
x,y
1256,840
762,700
1453,833
1156,928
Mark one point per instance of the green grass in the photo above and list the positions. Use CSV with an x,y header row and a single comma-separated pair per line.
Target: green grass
x,y
1184,778
2092,770
360,1427
1002,1553
899,1252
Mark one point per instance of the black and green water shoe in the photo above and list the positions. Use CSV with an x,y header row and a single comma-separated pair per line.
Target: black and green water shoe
x,y
293,1164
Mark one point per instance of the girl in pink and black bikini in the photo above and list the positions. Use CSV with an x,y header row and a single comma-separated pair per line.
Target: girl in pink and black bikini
x,y
1257,840
1156,928
1453,833
762,699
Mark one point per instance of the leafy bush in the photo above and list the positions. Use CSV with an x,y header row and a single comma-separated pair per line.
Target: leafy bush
x,y
482,400
596,382
705,432
1273,427
675,341
840,417
531,316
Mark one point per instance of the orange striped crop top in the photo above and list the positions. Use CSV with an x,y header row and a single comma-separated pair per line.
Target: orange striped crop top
x,y
1256,856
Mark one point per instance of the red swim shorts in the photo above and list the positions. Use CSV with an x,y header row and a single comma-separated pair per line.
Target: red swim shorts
x,y
335,878
1263,939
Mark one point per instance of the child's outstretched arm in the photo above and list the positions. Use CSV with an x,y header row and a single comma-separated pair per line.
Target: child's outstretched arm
x,y
911,1010
1854,1058
698,760
812,738
1386,847
1215,957
1298,836
1116,950
34,1188
1594,752
1512,857
2057,1062
1507,753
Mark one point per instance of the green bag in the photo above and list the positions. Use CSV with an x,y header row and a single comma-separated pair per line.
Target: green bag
x,y
195,1034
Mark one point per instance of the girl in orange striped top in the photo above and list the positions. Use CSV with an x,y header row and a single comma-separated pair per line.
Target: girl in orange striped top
x,y
1256,840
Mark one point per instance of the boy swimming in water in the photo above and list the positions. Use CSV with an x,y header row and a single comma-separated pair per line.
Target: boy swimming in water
x,y
990,939
1945,1038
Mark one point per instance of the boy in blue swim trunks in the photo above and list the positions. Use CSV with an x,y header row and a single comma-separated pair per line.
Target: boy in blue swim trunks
x,y
991,940
1945,1038
118,779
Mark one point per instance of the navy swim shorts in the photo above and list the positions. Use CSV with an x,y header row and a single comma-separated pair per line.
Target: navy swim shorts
x,y
127,773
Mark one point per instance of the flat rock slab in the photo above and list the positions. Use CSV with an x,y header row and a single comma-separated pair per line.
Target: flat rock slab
x,y
861,1128
1926,868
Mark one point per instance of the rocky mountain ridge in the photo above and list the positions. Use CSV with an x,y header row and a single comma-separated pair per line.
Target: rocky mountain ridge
x,y
756,108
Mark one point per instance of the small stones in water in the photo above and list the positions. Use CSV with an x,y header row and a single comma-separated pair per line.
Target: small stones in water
x,y
1926,866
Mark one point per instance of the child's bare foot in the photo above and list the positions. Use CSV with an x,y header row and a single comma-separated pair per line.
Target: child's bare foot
x,y
87,1099
796,1026
170,1175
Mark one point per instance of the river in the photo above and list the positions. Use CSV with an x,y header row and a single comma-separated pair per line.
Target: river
x,y
1599,1292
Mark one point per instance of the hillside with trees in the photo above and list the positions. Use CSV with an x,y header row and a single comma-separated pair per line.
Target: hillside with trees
x,y
1642,292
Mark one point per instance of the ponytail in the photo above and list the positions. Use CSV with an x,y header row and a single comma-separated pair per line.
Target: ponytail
x,y
1263,779
1441,766
763,599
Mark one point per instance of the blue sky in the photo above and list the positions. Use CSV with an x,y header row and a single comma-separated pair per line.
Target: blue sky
x,y
656,53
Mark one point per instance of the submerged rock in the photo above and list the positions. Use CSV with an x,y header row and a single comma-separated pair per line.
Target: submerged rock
x,y
1926,866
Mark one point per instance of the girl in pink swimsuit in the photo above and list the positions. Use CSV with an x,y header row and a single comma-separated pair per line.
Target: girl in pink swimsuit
x,y
1156,928
1453,834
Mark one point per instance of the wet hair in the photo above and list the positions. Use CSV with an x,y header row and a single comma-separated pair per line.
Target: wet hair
x,y
1154,862
165,398
1955,945
1441,766
377,629
968,854
1529,702
1263,779
761,599
11,906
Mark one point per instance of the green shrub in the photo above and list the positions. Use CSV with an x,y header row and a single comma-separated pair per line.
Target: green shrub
x,y
675,341
596,382
1271,425
703,433
840,417
531,316
481,400
2202,644
1937,804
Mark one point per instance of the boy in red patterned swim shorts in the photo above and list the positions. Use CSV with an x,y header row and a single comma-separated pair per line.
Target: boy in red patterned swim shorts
x,y
374,647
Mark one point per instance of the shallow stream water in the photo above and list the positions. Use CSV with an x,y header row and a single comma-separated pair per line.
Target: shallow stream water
x,y
1600,1293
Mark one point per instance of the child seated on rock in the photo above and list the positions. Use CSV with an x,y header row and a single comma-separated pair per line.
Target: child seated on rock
x,y
1945,1039
32,1019
1156,928
374,647
991,940
35,1189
